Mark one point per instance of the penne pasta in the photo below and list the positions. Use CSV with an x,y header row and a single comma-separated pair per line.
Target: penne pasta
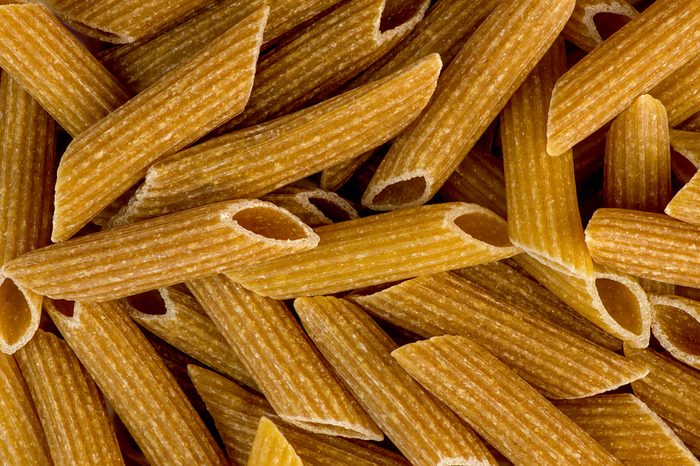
x,y
422,158
679,93
27,159
621,69
256,161
555,361
282,361
618,422
23,440
313,206
76,89
684,205
177,318
423,429
147,255
507,412
593,21
676,324
431,239
136,383
663,249
271,448
236,412
687,143
71,410
179,108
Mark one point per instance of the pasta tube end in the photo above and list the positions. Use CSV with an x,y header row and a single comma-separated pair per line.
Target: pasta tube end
x,y
20,311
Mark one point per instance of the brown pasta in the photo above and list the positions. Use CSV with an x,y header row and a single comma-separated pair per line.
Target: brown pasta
x,y
676,324
687,143
593,21
680,93
285,15
270,448
313,206
684,205
693,123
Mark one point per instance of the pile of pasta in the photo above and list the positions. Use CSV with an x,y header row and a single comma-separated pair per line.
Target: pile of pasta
x,y
359,232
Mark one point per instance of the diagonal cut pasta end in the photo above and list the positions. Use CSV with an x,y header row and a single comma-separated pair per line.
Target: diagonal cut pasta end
x,y
20,311
676,324
271,447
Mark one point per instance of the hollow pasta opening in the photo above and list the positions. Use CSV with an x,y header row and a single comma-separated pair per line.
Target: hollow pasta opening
x,y
270,223
15,314
150,302
686,330
397,12
484,227
330,209
67,308
401,192
621,304
607,23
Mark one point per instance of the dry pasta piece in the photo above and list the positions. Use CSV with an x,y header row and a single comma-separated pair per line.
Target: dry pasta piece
x,y
256,161
685,205
135,382
676,324
179,108
382,249
680,92
324,56
27,159
486,72
423,429
593,21
618,423
124,21
543,215
511,415
270,448
671,390
313,206
556,361
236,412
285,15
647,245
76,89
630,63
282,361
687,143
142,63
23,440
160,252
177,318
71,410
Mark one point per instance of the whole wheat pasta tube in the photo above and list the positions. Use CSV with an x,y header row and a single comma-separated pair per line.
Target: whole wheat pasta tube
x,y
648,245
271,448
136,383
593,21
486,72
671,390
511,415
23,440
27,159
314,207
236,412
543,216
256,161
71,410
687,143
281,359
384,248
177,318
676,324
285,15
182,106
423,429
557,362
630,63
685,204
680,92
76,89
160,252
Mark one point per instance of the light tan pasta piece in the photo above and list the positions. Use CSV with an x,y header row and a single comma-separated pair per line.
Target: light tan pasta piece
x,y
382,249
486,72
421,427
680,92
23,441
647,245
556,361
621,69
177,318
676,324
281,359
593,21
324,56
236,412
258,160
76,89
506,281
313,206
140,64
507,412
270,448
136,383
543,215
179,108
687,143
27,159
160,252
71,410
619,422
685,205
671,390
